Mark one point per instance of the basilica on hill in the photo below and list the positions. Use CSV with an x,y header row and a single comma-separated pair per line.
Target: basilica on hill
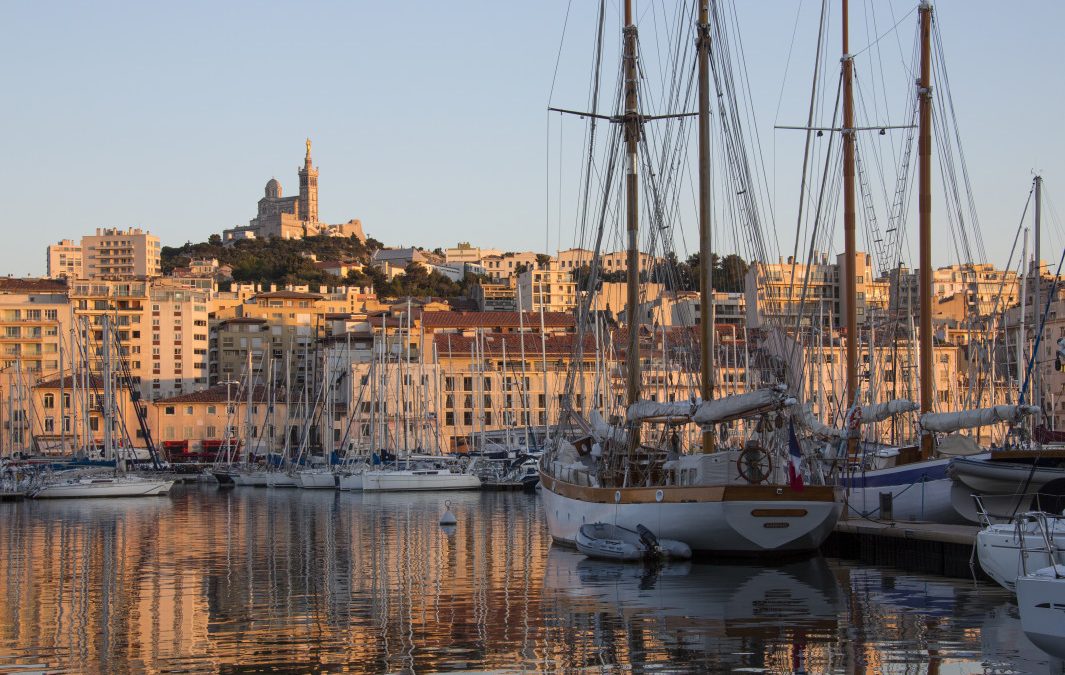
x,y
292,217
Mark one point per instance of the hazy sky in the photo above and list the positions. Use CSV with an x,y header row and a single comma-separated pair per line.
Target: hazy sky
x,y
428,118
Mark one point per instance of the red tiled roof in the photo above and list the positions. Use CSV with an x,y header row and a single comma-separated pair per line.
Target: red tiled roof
x,y
34,285
556,345
436,320
67,382
217,394
242,319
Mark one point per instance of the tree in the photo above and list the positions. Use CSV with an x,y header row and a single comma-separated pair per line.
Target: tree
x,y
542,259
215,240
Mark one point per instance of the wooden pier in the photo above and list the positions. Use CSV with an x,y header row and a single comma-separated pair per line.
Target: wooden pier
x,y
931,548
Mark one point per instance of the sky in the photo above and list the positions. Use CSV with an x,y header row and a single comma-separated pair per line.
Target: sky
x,y
429,120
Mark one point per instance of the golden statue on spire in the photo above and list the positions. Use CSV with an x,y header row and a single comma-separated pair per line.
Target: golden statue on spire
x,y
308,148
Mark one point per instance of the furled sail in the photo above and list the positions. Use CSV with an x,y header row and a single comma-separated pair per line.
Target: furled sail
x,y
739,406
648,410
878,412
948,422
816,426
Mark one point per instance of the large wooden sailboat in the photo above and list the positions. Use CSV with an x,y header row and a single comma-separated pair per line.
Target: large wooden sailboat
x,y
734,500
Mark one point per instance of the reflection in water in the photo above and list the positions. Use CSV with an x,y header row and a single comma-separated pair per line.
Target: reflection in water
x,y
297,580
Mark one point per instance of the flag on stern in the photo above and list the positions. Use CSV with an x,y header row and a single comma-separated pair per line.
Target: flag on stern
x,y
794,458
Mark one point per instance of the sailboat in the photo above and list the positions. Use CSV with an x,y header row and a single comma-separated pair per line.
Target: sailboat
x,y
719,500
83,483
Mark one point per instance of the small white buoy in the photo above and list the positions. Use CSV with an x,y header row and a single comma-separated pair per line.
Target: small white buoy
x,y
448,518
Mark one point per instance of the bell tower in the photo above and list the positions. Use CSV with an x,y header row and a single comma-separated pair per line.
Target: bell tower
x,y
308,201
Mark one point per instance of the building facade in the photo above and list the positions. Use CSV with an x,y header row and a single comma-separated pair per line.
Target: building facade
x,y
115,253
64,260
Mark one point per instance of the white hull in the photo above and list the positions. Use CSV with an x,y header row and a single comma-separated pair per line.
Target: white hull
x,y
252,478
998,548
717,526
351,481
130,486
418,479
280,479
316,479
1041,602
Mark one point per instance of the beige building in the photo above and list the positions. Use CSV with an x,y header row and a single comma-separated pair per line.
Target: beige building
x,y
463,252
550,288
115,253
292,217
774,292
983,289
34,318
503,266
495,297
64,259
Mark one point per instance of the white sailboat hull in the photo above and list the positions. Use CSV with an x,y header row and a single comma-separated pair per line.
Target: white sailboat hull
x,y
1041,601
351,481
998,548
707,519
252,478
316,480
131,486
280,479
417,480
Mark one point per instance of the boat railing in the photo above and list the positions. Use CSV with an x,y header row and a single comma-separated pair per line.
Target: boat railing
x,y
1035,500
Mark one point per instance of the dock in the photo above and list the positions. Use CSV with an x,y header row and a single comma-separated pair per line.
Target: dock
x,y
930,548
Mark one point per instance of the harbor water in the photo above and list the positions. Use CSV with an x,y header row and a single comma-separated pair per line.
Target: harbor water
x,y
272,580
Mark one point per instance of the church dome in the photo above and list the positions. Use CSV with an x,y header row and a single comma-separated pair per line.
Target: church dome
x,y
273,189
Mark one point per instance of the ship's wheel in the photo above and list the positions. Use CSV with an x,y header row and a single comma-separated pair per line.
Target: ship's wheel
x,y
754,464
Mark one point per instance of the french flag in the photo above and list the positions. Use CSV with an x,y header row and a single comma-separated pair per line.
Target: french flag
x,y
794,459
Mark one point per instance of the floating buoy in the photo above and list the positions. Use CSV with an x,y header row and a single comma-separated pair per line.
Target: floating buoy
x,y
448,518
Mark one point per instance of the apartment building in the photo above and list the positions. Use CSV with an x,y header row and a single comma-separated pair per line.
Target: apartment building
x,y
780,293
113,252
503,266
64,260
614,261
463,252
549,288
34,319
495,297
981,288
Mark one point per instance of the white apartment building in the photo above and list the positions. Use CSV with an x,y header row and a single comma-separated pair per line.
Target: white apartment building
x,y
64,259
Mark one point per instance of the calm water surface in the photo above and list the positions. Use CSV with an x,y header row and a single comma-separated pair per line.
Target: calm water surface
x,y
254,579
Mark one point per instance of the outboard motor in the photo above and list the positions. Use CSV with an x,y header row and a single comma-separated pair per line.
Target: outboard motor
x,y
648,538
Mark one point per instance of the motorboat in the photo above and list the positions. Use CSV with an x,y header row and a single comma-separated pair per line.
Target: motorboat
x,y
611,542
1008,481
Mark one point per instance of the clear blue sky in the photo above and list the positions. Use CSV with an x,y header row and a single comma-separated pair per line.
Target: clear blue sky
x,y
427,118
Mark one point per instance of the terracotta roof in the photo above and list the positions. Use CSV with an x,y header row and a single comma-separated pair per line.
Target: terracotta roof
x,y
492,344
217,394
67,382
288,295
436,320
35,285
242,319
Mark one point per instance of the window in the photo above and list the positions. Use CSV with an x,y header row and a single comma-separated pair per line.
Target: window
x,y
49,425
467,418
211,432
168,410
188,410
211,410
49,401
449,419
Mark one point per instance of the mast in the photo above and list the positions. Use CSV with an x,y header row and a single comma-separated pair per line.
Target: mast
x,y
850,292
924,153
1037,305
632,138
706,323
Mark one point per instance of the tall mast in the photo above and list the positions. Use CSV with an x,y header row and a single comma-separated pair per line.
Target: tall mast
x,y
706,323
850,246
1037,305
924,154
632,221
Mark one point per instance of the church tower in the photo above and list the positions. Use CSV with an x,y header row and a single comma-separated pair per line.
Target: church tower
x,y
308,202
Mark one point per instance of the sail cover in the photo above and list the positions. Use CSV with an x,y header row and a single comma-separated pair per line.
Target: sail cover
x,y
741,405
970,419
648,410
816,426
877,412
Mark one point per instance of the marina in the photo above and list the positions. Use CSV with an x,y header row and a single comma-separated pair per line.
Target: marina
x,y
209,579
